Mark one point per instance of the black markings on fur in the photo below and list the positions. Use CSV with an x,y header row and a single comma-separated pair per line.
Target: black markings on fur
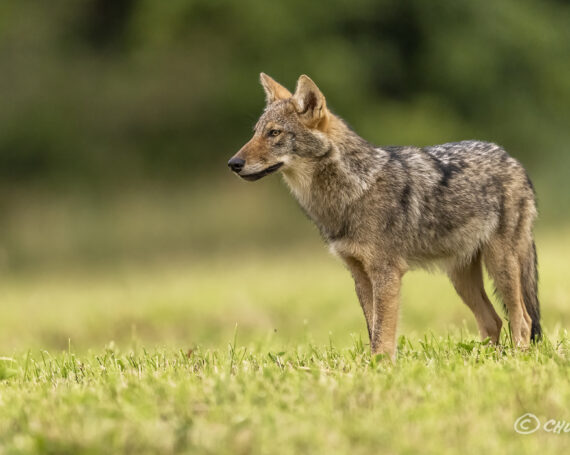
x,y
529,283
394,154
342,231
447,225
484,190
405,197
447,170
392,148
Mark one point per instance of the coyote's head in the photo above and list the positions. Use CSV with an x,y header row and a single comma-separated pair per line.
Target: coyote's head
x,y
289,133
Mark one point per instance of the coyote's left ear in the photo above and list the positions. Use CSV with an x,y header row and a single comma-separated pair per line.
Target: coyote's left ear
x,y
274,91
310,103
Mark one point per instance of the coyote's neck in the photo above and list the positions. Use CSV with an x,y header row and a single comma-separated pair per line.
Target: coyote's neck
x,y
300,180
326,186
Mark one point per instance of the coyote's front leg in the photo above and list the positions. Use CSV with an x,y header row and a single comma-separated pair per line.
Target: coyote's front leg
x,y
386,281
363,288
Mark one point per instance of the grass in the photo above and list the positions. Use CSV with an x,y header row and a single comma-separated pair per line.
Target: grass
x,y
443,396
252,350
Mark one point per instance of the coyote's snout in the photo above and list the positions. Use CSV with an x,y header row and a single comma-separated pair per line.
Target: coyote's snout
x,y
255,159
385,210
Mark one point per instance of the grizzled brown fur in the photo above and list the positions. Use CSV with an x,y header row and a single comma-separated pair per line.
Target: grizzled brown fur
x,y
385,210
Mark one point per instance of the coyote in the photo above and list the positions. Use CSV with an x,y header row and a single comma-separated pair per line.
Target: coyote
x,y
385,210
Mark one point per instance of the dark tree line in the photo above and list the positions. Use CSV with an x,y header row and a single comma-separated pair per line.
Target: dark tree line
x,y
114,89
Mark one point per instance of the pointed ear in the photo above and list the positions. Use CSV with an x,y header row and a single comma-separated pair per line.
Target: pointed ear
x,y
310,103
273,90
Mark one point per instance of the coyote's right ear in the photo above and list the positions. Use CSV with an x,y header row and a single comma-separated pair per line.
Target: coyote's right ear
x,y
273,90
310,103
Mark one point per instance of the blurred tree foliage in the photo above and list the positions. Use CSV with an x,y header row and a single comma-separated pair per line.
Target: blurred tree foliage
x,y
97,90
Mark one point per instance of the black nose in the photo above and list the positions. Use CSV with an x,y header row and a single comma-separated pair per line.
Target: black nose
x,y
236,164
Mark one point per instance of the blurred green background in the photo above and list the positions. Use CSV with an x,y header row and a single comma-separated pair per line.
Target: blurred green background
x,y
118,118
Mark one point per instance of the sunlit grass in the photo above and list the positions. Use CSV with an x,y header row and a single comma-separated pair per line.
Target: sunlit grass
x,y
442,396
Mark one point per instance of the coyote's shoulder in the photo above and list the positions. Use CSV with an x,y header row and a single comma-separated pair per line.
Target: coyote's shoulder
x,y
384,209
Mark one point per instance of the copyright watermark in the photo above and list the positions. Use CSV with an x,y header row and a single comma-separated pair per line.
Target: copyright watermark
x,y
529,423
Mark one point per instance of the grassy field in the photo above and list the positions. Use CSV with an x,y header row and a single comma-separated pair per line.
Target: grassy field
x,y
443,396
257,350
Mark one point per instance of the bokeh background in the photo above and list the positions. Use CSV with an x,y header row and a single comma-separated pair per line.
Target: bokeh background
x,y
119,220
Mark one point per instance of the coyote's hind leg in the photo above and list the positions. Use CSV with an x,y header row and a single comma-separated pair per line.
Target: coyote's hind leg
x,y
504,268
468,282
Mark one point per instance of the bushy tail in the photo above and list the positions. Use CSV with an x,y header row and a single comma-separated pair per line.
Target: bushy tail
x,y
529,283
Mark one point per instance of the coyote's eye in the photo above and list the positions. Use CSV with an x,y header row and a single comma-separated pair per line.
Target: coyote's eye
x,y
274,133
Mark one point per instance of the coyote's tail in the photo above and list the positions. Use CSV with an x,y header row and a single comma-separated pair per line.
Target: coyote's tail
x,y
529,283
